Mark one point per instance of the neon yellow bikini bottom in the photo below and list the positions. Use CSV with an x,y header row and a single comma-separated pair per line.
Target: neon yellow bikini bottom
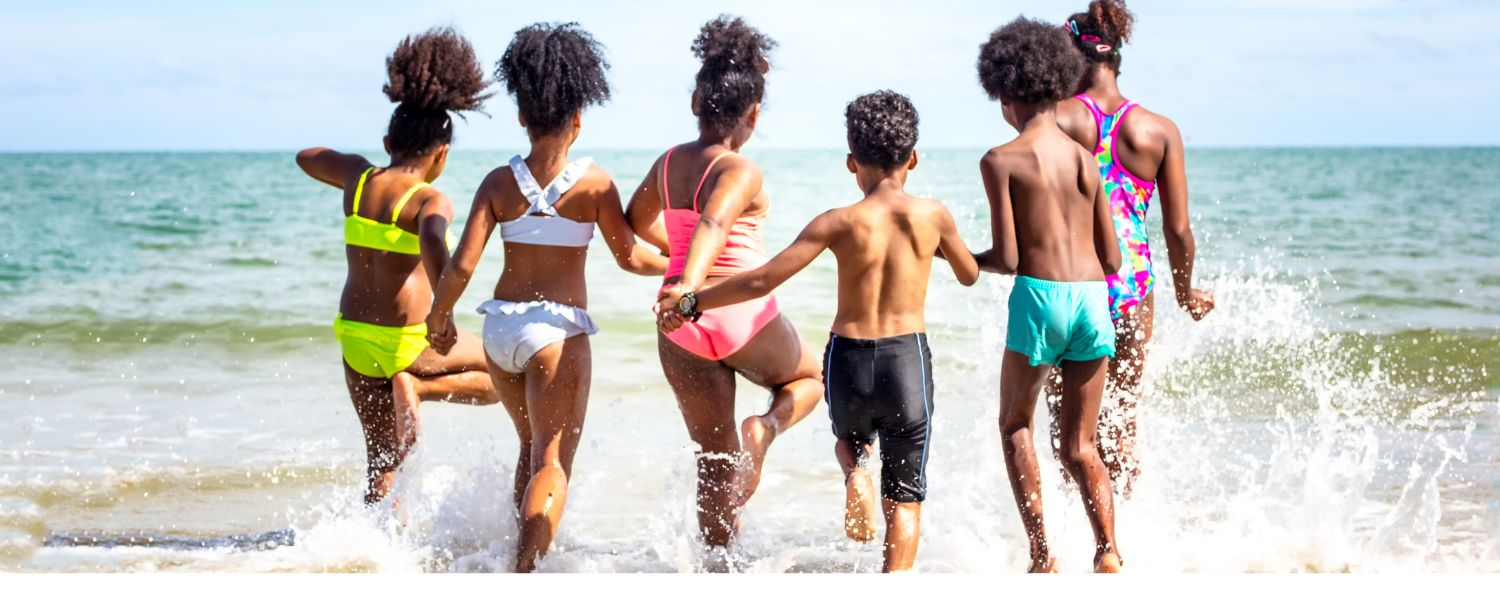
x,y
378,350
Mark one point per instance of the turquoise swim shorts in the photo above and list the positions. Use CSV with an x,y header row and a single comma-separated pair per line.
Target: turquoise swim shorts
x,y
1053,321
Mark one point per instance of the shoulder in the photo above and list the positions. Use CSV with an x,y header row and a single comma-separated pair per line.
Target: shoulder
x,y
739,165
831,221
1072,112
1146,125
1003,158
431,199
596,182
498,176
1073,106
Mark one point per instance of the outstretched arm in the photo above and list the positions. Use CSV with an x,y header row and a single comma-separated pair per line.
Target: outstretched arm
x,y
1177,228
440,331
756,282
331,167
952,248
633,257
1004,257
645,210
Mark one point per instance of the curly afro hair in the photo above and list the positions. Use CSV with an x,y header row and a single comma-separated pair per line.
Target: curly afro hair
x,y
431,75
554,71
1100,32
733,75
882,129
1030,62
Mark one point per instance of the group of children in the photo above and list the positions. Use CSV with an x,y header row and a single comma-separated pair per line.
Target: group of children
x,y
1053,227
1053,230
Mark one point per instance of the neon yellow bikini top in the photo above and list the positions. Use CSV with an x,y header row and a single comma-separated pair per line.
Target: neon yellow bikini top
x,y
372,234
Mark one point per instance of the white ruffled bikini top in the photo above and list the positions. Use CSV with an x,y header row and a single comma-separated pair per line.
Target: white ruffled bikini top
x,y
541,225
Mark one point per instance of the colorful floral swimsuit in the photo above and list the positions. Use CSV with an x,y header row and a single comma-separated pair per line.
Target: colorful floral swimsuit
x,y
1129,198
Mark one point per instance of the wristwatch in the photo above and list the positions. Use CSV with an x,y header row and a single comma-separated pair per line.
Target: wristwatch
x,y
687,306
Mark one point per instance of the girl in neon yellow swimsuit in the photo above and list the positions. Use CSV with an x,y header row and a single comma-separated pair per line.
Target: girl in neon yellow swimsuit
x,y
396,236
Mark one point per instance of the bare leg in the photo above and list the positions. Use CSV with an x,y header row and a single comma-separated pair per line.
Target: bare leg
x,y
796,382
373,406
511,389
1083,387
903,529
1019,384
1052,395
457,377
859,490
705,395
1117,419
557,391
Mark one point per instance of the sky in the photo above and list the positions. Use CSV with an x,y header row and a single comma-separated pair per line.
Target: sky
x,y
273,75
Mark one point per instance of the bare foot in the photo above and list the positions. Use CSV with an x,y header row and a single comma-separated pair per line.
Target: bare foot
x,y
408,419
1108,562
859,507
756,435
1045,565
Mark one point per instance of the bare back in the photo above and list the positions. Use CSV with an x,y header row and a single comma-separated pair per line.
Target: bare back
x,y
386,288
1143,136
884,245
1052,184
537,272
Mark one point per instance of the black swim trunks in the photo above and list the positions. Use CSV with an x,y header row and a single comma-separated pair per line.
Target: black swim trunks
x,y
883,388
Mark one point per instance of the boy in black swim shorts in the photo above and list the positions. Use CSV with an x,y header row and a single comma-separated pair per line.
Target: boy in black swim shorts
x,y
878,367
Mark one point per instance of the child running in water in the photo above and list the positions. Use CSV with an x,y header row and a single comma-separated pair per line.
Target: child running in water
x,y
1052,227
546,206
877,365
396,237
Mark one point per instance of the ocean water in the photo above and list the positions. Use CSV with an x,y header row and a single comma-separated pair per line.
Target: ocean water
x,y
173,401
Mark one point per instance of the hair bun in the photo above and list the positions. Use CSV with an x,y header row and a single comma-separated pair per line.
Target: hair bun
x,y
436,71
1113,19
730,44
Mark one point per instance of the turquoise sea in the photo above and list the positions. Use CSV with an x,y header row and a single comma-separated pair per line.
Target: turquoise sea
x,y
170,374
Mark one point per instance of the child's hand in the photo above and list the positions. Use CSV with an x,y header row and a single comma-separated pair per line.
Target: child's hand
x,y
668,319
1198,303
442,333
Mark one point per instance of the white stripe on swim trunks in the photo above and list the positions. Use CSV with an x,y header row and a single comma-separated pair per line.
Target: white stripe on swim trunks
x,y
926,408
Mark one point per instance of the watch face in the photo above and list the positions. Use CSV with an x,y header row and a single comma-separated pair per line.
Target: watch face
x,y
687,304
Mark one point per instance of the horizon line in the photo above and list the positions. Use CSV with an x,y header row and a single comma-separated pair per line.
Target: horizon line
x,y
465,150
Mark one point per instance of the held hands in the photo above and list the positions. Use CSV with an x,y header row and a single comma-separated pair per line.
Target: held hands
x,y
1198,303
668,319
442,334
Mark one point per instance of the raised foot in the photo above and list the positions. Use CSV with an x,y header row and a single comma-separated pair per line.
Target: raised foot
x,y
756,435
859,507
1108,562
406,398
1046,565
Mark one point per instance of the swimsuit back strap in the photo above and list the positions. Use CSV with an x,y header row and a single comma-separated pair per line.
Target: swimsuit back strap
x,y
544,200
527,182
666,197
1119,117
359,189
1098,115
704,180
564,181
400,204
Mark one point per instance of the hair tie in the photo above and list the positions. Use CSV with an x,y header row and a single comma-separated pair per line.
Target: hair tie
x,y
1072,26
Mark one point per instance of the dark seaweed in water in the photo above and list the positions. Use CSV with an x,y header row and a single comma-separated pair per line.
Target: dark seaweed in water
x,y
269,540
